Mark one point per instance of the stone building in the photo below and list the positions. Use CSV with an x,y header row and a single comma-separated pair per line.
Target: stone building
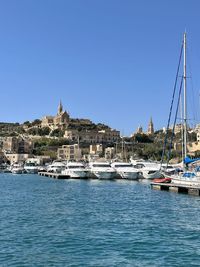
x,y
16,157
93,136
109,152
59,121
139,130
69,152
96,149
17,145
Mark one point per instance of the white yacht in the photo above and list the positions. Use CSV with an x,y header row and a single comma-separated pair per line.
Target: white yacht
x,y
126,170
17,168
149,170
102,170
56,167
75,170
31,167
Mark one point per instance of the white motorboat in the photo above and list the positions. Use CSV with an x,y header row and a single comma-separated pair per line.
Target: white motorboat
x,y
148,169
31,167
126,170
102,170
75,170
17,168
56,167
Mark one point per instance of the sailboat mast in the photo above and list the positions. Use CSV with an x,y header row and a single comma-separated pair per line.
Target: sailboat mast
x,y
184,98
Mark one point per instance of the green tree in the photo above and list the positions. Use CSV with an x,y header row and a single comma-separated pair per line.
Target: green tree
x,y
142,138
36,122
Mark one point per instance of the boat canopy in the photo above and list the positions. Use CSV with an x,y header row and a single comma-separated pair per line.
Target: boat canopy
x,y
188,160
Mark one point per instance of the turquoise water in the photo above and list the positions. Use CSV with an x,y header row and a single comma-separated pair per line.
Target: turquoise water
x,y
47,222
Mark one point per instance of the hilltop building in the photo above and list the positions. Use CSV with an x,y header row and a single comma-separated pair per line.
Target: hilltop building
x,y
139,130
59,121
150,127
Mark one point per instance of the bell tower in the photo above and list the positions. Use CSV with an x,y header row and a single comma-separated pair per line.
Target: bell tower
x,y
60,108
150,127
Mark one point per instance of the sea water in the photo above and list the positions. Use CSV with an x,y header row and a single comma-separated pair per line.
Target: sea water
x,y
47,222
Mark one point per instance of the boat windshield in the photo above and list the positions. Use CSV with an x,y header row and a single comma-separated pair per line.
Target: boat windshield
x,y
139,166
76,167
123,166
101,165
30,164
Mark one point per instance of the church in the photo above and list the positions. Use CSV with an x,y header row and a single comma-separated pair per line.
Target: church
x,y
61,120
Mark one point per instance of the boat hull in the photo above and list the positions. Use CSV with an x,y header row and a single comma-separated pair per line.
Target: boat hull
x,y
129,175
76,174
17,171
187,182
31,170
152,174
105,175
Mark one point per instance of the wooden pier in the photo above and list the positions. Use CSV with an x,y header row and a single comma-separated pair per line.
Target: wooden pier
x,y
54,175
185,189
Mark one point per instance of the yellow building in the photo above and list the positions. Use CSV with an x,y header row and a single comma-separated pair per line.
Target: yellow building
x,y
69,152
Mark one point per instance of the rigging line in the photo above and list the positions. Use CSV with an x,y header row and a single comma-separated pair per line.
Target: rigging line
x,y
170,112
193,105
175,118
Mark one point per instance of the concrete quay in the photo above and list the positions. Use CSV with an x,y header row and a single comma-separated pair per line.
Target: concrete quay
x,y
177,188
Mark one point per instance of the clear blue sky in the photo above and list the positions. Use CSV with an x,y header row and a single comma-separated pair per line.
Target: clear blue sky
x,y
113,61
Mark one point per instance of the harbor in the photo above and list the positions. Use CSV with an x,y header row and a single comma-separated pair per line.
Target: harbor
x,y
99,133
94,221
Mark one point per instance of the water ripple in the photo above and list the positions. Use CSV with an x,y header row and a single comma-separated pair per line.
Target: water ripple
x,y
45,222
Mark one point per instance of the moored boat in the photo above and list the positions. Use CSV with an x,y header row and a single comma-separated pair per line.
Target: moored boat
x,y
148,169
102,170
56,166
75,170
17,168
31,168
162,180
126,170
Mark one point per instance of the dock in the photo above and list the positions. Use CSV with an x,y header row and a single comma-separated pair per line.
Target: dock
x,y
177,188
54,175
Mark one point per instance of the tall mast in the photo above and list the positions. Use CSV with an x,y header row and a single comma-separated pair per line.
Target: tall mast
x,y
184,99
